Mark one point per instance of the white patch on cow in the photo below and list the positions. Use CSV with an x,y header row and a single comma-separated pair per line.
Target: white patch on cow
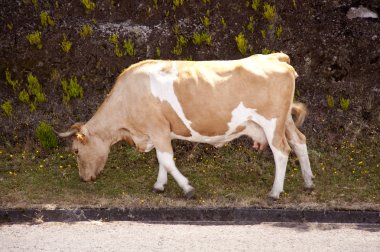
x,y
280,160
166,160
241,116
162,87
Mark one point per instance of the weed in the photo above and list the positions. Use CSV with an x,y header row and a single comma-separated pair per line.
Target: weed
x,y
263,34
129,47
223,22
255,4
265,51
181,42
177,3
166,13
66,44
88,5
202,38
158,52
35,39
56,5
241,43
279,31
10,26
35,3
7,108
206,1
330,101
294,4
176,28
155,4
23,96
46,136
206,22
86,31
8,78
113,39
34,88
344,103
46,20
269,12
250,24
71,89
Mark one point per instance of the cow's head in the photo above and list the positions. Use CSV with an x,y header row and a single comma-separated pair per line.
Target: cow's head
x,y
90,149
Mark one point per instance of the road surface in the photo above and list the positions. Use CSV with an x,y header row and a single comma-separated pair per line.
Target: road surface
x,y
134,236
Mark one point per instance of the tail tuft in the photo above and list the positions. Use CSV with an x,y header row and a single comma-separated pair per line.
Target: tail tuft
x,y
299,111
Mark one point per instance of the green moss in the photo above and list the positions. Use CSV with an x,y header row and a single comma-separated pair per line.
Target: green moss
x,y
181,42
34,89
263,34
177,3
24,96
7,108
344,103
46,20
223,22
35,3
255,4
66,44
9,81
35,39
46,136
250,24
158,52
114,39
205,21
129,47
10,26
269,12
202,38
86,31
71,89
88,5
279,31
265,51
155,4
241,43
330,101
206,1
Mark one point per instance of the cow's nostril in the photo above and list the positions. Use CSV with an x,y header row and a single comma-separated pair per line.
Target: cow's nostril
x,y
93,178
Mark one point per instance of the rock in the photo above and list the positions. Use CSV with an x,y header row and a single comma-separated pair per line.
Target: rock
x,y
361,12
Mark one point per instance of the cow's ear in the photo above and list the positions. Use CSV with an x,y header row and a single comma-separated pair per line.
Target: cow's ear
x,y
81,138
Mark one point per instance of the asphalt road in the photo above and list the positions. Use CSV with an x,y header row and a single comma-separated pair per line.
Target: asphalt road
x,y
134,236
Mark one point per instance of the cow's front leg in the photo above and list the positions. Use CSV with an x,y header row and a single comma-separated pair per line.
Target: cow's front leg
x,y
162,179
166,161
280,160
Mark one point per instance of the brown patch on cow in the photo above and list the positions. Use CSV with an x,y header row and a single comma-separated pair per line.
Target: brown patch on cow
x,y
176,124
239,129
208,93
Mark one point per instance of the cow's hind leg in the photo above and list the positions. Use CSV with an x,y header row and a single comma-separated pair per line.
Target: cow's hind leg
x,y
162,179
298,143
166,162
275,135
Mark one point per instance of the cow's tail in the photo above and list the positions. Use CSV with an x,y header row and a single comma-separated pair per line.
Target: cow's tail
x,y
299,111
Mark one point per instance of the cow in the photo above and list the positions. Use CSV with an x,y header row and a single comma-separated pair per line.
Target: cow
x,y
214,102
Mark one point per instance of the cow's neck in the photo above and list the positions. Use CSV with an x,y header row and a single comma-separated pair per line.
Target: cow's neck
x,y
108,122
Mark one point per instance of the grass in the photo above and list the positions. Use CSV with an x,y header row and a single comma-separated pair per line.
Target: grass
x,y
234,175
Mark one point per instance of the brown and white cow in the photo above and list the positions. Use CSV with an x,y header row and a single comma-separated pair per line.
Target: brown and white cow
x,y
212,102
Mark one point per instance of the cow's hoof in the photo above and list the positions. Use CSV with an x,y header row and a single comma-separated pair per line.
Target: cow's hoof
x,y
156,190
309,189
190,194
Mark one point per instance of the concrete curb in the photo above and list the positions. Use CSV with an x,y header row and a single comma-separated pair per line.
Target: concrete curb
x,y
189,215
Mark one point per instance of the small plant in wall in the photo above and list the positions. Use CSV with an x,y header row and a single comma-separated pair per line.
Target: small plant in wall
x,y
65,44
7,108
269,12
71,89
8,78
241,43
35,39
46,136
46,20
114,39
344,103
181,42
88,5
177,3
129,47
255,4
86,31
202,38
330,101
